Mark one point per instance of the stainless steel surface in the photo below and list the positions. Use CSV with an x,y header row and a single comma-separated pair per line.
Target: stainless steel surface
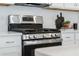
x,y
42,35
25,19
42,41
32,35
14,19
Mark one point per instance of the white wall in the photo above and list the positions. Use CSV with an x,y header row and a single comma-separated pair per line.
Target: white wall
x,y
49,15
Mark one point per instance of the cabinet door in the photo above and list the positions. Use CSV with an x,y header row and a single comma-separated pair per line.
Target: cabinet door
x,y
57,5
12,51
77,38
68,39
9,41
69,5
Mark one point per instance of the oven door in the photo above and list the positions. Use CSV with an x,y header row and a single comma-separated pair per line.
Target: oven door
x,y
29,47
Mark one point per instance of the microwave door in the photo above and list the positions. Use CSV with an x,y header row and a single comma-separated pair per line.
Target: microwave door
x,y
14,19
27,19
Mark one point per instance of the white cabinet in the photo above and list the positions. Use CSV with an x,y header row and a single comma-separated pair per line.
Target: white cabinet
x,y
67,43
57,5
10,45
77,38
68,38
69,5
10,51
9,41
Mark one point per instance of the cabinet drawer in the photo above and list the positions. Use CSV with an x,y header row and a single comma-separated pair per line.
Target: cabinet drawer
x,y
12,51
77,36
12,54
9,41
67,43
67,36
77,42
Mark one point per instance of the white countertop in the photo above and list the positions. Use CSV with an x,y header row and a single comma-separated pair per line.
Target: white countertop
x,y
69,30
10,33
59,51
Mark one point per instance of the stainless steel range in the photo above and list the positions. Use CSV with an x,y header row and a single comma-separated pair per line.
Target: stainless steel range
x,y
34,35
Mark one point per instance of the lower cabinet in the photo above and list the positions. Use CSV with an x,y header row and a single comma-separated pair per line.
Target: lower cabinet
x,y
68,43
11,51
70,38
10,45
77,38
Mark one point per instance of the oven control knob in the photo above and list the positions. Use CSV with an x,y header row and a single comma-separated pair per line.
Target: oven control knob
x,y
34,37
43,36
51,36
25,36
56,35
29,37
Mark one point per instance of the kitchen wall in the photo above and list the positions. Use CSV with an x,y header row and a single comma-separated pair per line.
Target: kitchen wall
x,y
49,15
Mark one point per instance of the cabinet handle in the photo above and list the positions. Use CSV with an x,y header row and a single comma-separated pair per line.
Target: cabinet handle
x,y
67,37
10,42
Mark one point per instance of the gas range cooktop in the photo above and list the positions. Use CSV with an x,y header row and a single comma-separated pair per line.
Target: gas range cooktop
x,y
34,31
41,34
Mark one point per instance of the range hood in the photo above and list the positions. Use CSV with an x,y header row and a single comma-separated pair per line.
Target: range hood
x,y
33,4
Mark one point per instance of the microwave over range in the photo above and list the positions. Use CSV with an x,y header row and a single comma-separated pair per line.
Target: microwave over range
x,y
25,19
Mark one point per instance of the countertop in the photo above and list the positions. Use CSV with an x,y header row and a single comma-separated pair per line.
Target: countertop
x,y
69,30
72,50
10,33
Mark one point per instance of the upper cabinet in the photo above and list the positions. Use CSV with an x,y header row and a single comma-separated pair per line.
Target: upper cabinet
x,y
56,5
73,6
69,5
65,6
